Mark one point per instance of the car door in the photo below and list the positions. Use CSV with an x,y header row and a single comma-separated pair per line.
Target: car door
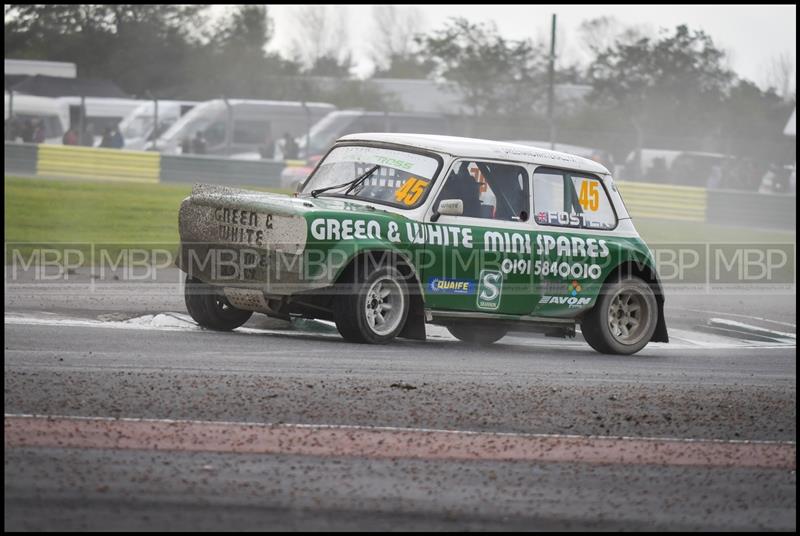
x,y
480,261
573,245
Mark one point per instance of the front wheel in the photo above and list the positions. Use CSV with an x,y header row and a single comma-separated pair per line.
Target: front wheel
x,y
373,307
623,319
209,307
477,334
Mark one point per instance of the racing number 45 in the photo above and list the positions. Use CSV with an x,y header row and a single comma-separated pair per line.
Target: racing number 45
x,y
589,197
410,192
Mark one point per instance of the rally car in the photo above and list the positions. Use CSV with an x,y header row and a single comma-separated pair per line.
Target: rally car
x,y
395,231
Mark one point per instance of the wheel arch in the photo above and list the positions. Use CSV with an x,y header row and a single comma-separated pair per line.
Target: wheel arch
x,y
415,323
647,273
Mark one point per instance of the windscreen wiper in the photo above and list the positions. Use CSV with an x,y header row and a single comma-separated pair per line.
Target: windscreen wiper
x,y
351,184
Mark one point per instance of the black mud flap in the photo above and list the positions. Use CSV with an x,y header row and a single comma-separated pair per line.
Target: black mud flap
x,y
660,334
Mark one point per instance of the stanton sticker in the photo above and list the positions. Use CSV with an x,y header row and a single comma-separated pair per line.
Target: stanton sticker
x,y
490,289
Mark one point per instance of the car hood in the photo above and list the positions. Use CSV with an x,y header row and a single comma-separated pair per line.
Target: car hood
x,y
225,196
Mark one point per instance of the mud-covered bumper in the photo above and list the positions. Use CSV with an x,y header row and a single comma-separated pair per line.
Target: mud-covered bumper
x,y
247,240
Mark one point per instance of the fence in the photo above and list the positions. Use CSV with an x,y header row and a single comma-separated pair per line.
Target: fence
x,y
643,200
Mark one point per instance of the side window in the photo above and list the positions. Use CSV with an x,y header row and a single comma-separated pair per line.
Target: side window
x,y
489,190
567,199
594,202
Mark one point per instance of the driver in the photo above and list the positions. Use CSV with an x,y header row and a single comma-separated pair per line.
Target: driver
x,y
462,185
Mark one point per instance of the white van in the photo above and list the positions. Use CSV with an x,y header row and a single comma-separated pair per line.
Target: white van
x,y
101,112
241,125
137,128
343,122
53,115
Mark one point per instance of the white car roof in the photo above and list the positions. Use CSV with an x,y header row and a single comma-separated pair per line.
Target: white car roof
x,y
477,148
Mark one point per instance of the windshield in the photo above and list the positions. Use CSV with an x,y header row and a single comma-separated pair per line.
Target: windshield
x,y
402,179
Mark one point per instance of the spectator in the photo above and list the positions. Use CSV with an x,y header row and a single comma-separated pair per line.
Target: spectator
x,y
658,171
290,148
70,137
106,141
38,131
117,141
186,146
11,129
268,149
199,145
88,136
714,181
26,131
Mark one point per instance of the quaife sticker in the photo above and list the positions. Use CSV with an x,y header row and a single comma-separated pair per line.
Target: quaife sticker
x,y
490,288
443,285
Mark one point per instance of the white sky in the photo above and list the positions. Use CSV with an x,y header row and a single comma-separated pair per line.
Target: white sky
x,y
752,35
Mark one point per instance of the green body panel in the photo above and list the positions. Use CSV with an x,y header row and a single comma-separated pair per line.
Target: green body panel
x,y
455,263
512,269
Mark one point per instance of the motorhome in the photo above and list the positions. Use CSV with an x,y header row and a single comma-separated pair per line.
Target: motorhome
x,y
53,115
228,127
139,128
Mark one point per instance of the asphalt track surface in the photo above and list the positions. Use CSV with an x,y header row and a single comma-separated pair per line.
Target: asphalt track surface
x,y
121,414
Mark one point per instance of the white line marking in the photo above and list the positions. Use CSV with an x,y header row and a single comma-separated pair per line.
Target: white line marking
x,y
181,322
751,328
751,317
387,429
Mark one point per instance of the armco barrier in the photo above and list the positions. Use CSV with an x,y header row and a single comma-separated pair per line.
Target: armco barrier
x,y
20,158
228,171
772,211
95,163
645,200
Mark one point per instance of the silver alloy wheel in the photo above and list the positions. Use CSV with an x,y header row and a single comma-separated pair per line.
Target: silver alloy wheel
x,y
628,317
384,306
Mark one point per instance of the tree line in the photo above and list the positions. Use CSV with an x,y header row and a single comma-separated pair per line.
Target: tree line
x,y
647,88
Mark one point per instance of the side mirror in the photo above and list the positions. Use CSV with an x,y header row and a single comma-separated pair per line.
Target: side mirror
x,y
448,207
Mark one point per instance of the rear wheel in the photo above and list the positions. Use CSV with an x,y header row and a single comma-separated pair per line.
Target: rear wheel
x,y
477,334
209,307
374,306
623,319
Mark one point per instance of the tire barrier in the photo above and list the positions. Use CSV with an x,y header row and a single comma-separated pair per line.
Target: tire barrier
x,y
664,201
227,171
21,158
94,163
643,200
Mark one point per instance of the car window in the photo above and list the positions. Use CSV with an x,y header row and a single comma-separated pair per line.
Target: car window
x,y
566,199
489,190
400,178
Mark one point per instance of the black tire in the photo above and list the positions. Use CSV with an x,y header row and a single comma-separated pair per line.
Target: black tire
x,y
209,307
351,307
609,327
477,334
